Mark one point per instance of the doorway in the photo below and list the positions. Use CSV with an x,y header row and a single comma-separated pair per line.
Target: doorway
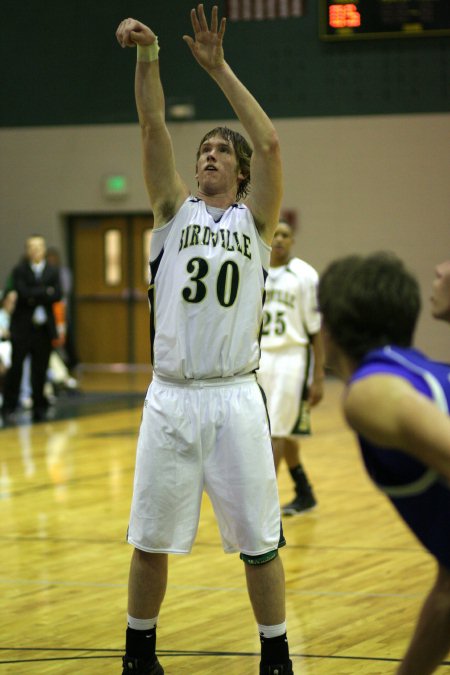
x,y
109,259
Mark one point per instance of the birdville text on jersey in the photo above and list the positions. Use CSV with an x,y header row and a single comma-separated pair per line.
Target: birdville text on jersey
x,y
283,297
196,235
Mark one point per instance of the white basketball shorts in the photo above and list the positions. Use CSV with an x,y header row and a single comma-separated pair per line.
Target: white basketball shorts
x,y
210,435
282,376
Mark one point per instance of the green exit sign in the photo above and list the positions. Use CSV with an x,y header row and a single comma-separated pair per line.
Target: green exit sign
x,y
115,186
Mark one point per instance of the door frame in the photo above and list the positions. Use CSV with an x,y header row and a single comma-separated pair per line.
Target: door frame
x,y
69,232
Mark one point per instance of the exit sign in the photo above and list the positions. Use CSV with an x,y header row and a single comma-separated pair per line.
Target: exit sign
x,y
115,186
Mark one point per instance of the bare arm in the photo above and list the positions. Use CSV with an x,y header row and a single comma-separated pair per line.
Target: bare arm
x,y
165,187
266,171
389,412
316,388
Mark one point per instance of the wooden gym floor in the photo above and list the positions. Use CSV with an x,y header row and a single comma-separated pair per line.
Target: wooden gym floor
x,y
355,577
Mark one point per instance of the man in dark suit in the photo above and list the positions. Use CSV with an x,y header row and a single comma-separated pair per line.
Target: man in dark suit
x,y
32,326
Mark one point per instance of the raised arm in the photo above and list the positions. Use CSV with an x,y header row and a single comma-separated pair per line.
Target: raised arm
x,y
389,412
266,172
165,187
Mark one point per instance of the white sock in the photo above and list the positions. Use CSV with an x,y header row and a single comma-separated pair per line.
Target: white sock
x,y
141,624
272,631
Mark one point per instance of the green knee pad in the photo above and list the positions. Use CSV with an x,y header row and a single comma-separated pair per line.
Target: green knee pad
x,y
259,559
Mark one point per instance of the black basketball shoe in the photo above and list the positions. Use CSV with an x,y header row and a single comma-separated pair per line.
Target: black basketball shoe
x,y
279,669
133,666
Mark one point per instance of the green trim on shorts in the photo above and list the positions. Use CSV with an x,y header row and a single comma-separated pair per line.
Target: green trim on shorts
x,y
259,559
302,426
264,557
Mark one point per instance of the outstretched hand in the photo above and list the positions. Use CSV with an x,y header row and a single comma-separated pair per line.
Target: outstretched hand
x,y
132,32
206,46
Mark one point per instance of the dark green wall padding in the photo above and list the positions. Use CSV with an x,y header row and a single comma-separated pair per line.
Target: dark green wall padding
x,y
61,64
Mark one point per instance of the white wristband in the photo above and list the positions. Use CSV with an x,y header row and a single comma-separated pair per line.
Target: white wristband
x,y
148,53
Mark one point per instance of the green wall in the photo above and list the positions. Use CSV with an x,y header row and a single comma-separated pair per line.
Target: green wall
x,y
60,64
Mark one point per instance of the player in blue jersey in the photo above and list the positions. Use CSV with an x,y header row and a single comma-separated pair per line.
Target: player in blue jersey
x,y
204,424
397,401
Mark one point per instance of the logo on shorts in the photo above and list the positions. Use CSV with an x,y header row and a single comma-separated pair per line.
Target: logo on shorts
x,y
145,403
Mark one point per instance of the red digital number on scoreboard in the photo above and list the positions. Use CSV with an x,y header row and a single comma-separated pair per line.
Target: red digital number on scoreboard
x,y
344,16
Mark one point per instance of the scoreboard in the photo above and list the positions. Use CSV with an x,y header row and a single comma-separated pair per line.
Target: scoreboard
x,y
359,19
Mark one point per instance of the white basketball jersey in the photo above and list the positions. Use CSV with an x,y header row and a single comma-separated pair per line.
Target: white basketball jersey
x,y
290,311
206,293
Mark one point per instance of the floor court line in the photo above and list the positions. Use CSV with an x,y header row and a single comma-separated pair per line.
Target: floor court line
x,y
176,653
206,589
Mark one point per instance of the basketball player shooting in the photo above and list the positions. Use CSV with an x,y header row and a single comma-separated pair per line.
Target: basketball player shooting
x,y
204,423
